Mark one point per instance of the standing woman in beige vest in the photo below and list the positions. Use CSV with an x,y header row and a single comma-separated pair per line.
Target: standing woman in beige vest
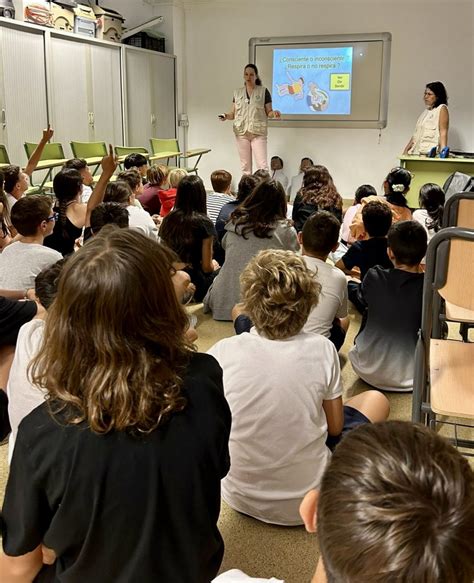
x,y
251,107
431,129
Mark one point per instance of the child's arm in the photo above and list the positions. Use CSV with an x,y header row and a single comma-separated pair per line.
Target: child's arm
x,y
207,262
22,568
35,157
349,260
340,265
334,412
109,164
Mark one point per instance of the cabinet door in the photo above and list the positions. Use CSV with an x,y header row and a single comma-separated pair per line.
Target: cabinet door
x,y
23,111
163,98
106,92
139,104
69,92
86,92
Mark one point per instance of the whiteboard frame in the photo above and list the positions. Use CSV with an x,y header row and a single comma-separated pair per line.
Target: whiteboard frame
x,y
294,41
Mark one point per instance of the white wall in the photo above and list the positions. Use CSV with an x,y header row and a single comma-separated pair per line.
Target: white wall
x,y
432,40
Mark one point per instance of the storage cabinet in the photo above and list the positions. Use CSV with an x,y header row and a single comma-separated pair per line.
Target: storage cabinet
x,y
150,94
86,99
23,108
88,90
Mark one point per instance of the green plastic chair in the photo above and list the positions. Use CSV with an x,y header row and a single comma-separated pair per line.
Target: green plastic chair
x,y
4,157
92,152
52,157
169,148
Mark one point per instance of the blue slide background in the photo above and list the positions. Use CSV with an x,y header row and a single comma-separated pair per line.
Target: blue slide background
x,y
313,70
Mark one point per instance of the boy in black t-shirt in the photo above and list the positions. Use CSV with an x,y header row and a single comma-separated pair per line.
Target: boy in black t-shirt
x,y
377,219
384,350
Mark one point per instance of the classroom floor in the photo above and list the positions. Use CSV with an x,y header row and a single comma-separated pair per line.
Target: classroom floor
x,y
259,549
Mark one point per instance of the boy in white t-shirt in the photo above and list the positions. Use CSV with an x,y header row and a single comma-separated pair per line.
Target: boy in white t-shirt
x,y
284,389
329,316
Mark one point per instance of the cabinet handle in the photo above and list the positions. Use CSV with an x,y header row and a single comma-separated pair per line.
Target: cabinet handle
x,y
153,119
4,118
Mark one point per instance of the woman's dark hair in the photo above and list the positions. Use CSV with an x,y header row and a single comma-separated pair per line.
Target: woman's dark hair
x,y
258,81
440,92
261,210
246,184
115,321
191,196
319,189
178,228
398,181
67,184
432,199
118,191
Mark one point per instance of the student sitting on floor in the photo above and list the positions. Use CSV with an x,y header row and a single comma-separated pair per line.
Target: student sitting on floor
x,y
74,215
136,162
329,317
221,181
189,232
362,192
23,396
109,213
119,472
384,351
20,262
134,179
377,218
258,223
16,180
149,198
317,193
284,389
120,191
396,504
168,196
14,312
396,187
82,167
430,213
246,185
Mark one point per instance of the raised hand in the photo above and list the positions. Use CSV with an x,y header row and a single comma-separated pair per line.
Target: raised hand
x,y
47,134
110,162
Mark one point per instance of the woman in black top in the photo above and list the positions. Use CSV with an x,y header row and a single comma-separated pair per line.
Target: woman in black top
x,y
190,233
116,478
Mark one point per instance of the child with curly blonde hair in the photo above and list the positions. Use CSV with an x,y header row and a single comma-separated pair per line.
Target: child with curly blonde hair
x,y
284,389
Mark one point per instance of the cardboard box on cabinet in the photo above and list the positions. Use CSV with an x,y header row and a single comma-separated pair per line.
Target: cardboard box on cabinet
x,y
109,24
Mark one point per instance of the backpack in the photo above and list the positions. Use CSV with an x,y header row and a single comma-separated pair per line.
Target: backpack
x,y
458,182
